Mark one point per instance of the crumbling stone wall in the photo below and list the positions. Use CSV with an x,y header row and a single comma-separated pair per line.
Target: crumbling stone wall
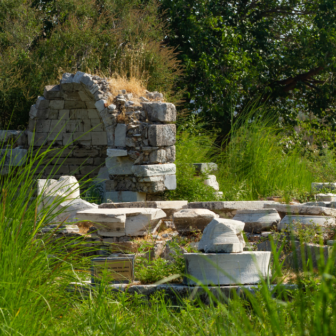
x,y
135,138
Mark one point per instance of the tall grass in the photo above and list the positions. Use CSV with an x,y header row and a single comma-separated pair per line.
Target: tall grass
x,y
254,163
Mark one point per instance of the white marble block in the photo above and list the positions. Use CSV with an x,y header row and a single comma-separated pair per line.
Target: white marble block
x,y
227,268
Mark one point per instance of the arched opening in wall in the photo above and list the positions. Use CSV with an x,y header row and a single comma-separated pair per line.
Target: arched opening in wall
x,y
66,117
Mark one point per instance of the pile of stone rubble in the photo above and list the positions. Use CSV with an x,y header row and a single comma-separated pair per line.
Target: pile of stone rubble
x,y
117,226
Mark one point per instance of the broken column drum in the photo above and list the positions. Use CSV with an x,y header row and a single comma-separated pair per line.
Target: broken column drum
x,y
134,141
224,262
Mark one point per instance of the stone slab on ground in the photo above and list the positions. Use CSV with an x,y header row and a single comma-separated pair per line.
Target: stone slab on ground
x,y
188,220
289,221
300,209
220,236
138,222
228,209
176,292
169,207
258,220
326,197
68,209
227,268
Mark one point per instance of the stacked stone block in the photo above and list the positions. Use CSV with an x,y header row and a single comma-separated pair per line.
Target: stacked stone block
x,y
91,127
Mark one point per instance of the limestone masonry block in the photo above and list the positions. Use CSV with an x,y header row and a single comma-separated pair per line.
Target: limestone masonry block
x,y
161,112
52,92
170,182
120,135
57,126
138,222
301,209
111,152
227,268
100,105
99,138
188,220
56,104
162,135
119,165
64,114
42,103
152,170
33,112
53,114
74,104
93,113
158,156
43,126
289,221
85,96
258,220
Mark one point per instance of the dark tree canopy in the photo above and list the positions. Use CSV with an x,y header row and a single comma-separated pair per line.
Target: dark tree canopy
x,y
236,51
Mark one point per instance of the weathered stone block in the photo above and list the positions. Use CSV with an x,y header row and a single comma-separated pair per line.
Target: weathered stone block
x,y
161,112
52,92
93,113
53,114
79,114
99,138
162,135
67,138
71,95
97,125
56,104
80,136
170,153
100,105
125,196
110,135
87,126
119,165
85,96
33,112
170,182
90,104
120,135
42,103
83,152
64,114
111,152
152,170
74,104
227,268
74,126
57,126
55,136
158,156
43,126
188,220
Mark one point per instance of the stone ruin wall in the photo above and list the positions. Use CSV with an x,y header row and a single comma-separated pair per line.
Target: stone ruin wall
x,y
131,145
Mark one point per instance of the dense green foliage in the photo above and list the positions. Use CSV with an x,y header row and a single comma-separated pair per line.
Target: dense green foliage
x,y
235,51
40,40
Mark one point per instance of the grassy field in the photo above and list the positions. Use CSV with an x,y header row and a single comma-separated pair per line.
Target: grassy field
x,y
35,273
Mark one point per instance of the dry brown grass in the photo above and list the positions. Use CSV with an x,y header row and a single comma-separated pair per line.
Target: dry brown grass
x,y
132,85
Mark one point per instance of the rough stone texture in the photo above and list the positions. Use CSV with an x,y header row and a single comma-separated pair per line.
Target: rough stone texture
x,y
153,170
289,221
169,207
229,209
162,135
258,220
68,209
326,197
227,268
220,236
79,113
300,209
137,222
162,112
211,181
188,220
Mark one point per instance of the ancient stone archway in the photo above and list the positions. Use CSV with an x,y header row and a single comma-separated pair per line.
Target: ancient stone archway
x,y
135,142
